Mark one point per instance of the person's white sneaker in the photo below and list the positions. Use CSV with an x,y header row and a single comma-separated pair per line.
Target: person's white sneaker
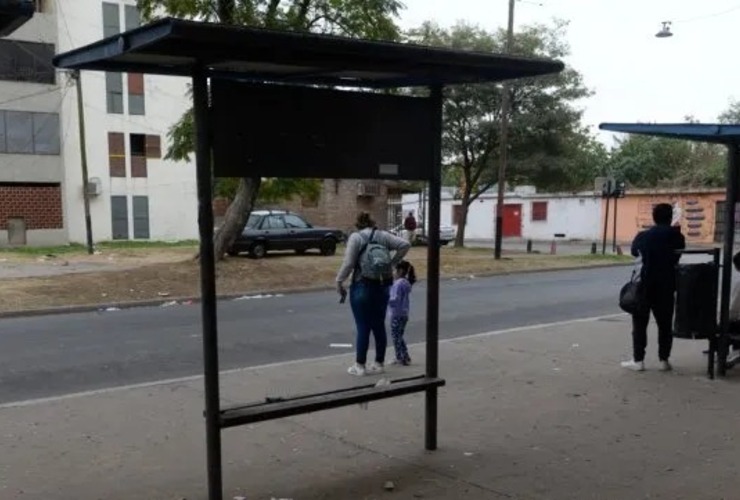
x,y
357,370
376,368
637,366
665,366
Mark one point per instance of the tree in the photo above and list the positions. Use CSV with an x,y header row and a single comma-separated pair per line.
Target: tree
x,y
356,18
731,114
548,146
645,162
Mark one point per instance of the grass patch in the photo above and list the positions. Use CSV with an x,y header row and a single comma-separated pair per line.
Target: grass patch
x,y
169,272
76,248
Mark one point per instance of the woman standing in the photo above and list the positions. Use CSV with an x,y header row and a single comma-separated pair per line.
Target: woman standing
x,y
368,261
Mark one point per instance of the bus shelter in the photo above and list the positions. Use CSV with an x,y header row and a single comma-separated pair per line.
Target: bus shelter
x,y
283,104
728,136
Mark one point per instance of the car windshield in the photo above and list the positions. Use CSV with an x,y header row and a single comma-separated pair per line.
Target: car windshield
x,y
253,221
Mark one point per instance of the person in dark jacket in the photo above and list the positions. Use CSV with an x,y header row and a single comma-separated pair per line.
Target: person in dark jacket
x,y
657,248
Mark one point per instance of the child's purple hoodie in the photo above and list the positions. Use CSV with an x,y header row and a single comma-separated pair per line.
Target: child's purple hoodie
x,y
399,300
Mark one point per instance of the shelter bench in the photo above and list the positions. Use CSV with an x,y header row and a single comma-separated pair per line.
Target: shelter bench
x,y
273,408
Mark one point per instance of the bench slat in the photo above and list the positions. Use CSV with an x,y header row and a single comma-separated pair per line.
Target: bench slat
x,y
260,412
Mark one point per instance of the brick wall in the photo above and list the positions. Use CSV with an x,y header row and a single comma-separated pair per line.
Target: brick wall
x,y
40,205
339,205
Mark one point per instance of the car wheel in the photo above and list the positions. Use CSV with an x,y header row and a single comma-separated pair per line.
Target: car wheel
x,y
445,242
328,247
258,251
232,253
300,251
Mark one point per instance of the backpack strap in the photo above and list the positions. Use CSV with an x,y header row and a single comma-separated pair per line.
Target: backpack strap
x,y
367,242
364,247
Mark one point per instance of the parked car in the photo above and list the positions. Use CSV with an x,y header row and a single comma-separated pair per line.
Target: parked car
x,y
446,234
278,230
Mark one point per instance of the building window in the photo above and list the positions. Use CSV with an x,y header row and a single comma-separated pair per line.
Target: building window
x,y
456,215
114,92
141,217
133,19
136,94
22,132
153,147
111,19
539,211
26,62
119,217
138,155
116,154
46,133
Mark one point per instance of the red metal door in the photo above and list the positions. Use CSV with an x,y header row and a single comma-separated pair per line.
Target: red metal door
x,y
512,221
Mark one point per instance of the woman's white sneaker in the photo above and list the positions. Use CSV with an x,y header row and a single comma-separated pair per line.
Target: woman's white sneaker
x,y
376,368
635,366
665,366
357,370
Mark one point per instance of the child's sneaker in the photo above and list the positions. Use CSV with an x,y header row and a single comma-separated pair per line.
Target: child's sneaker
x,y
357,370
637,366
376,368
665,366
406,362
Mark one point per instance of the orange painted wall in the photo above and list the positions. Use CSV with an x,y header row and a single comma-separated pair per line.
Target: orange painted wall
x,y
634,213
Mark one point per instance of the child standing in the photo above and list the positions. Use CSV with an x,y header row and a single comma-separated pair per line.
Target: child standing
x,y
398,305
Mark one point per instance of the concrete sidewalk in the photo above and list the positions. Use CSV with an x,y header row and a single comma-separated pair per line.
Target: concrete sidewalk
x,y
540,413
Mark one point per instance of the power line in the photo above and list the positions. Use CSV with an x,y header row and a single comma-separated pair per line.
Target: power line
x,y
28,96
58,5
707,16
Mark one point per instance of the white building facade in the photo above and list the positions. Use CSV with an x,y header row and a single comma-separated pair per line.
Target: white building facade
x,y
136,194
527,215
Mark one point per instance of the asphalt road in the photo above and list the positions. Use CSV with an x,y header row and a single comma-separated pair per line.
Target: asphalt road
x,y
54,355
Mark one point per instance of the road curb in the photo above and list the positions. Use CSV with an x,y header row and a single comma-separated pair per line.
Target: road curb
x,y
116,306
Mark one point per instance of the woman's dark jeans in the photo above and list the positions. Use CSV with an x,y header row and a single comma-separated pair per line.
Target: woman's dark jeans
x,y
369,301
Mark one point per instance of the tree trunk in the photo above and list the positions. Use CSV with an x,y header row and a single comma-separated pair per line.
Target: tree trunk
x,y
236,216
463,221
241,206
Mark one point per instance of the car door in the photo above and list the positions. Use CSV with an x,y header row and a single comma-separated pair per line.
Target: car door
x,y
274,231
299,232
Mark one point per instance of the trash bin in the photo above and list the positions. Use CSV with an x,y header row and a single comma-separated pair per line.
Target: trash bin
x,y
696,301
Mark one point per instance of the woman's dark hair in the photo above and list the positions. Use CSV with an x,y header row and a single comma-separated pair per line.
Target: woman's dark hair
x,y
364,221
407,271
663,214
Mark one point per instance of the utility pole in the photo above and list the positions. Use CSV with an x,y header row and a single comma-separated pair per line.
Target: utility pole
x,y
505,108
83,159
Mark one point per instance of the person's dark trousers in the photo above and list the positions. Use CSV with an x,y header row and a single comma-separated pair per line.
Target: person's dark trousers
x,y
369,302
661,304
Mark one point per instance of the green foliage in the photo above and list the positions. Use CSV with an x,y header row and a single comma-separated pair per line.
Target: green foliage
x,y
731,114
273,190
547,145
645,161
355,18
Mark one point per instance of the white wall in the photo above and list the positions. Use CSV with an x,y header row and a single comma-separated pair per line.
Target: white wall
x,y
170,186
577,218
481,219
39,237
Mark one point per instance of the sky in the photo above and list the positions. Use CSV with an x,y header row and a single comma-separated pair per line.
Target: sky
x,y
634,75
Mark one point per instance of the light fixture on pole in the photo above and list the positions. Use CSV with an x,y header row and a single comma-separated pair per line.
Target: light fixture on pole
x,y
665,31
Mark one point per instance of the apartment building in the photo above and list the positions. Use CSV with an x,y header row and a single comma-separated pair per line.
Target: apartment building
x,y
134,192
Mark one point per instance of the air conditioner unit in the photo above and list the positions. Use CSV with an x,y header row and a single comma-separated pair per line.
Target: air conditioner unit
x,y
94,187
368,189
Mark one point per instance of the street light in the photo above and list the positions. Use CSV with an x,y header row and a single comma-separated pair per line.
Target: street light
x,y
665,31
505,108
